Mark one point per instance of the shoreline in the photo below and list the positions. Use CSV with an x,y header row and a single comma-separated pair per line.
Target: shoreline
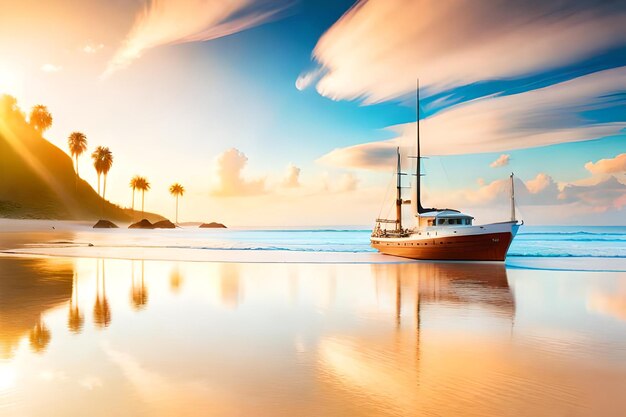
x,y
77,239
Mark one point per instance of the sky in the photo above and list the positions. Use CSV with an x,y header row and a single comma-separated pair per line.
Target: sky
x,y
287,113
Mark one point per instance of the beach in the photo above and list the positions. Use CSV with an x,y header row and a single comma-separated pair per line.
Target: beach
x,y
147,322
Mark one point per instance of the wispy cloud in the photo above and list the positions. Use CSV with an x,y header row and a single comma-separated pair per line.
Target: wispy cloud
x,y
502,160
376,49
230,180
305,79
51,68
539,117
166,22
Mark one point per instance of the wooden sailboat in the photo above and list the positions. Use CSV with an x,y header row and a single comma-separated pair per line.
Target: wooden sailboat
x,y
442,234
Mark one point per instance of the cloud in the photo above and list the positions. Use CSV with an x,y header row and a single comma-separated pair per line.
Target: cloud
x,y
541,117
305,79
92,48
502,160
51,68
292,177
542,190
229,167
168,22
376,50
608,166
347,182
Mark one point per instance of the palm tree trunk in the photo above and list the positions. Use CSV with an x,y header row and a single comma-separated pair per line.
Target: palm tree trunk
x,y
143,193
104,191
133,204
176,209
76,179
98,184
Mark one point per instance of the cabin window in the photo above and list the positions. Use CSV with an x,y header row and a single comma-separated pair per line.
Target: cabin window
x,y
441,221
431,222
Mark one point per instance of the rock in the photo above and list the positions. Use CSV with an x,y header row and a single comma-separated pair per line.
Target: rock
x,y
164,224
212,225
143,224
105,224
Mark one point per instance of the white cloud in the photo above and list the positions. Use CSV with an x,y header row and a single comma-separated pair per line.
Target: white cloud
x,y
167,22
542,190
92,48
502,160
376,50
230,181
292,177
534,118
51,68
608,166
347,182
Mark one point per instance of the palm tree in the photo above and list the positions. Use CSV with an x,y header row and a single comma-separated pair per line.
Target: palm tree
x,y
143,185
134,184
177,190
102,162
40,118
77,142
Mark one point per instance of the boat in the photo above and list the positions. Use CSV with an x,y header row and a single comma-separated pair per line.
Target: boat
x,y
441,234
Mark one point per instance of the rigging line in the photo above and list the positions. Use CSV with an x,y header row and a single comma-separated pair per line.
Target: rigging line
x,y
382,205
445,172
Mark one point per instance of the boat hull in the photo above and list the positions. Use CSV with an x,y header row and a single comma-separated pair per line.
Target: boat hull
x,y
479,247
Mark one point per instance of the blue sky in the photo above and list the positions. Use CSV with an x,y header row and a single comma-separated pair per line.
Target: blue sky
x,y
181,90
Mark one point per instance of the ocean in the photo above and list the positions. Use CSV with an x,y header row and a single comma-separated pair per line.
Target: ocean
x,y
531,241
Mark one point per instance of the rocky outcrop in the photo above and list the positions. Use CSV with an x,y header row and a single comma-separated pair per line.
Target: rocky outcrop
x,y
143,224
212,225
164,224
105,224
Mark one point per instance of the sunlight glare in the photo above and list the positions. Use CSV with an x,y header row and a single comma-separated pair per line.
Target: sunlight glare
x,y
10,82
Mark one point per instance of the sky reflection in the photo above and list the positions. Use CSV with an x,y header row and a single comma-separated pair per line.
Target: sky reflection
x,y
117,337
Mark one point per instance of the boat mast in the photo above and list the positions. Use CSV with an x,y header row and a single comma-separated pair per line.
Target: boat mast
x,y
399,194
512,199
418,170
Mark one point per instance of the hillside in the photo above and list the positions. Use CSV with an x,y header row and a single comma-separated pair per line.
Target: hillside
x,y
37,179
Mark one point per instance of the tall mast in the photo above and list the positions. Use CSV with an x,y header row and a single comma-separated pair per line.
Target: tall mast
x,y
512,199
418,170
399,194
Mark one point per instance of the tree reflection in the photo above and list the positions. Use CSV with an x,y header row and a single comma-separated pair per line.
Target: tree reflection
x,y
101,309
39,337
176,279
230,291
138,293
75,319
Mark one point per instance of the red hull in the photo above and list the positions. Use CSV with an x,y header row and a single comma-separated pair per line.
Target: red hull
x,y
483,247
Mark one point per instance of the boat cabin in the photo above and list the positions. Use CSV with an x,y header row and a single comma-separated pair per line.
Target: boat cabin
x,y
444,218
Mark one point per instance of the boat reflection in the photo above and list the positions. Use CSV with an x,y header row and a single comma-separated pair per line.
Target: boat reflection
x,y
386,370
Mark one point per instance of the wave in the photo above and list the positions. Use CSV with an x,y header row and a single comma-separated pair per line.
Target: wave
x,y
339,248
563,255
570,233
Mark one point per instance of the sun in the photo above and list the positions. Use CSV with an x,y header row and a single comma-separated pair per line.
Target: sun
x,y
10,81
